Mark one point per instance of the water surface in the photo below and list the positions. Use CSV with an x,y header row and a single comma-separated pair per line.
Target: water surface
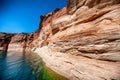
x,y
25,66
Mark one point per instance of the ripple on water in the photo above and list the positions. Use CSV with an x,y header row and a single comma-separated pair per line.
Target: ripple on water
x,y
25,66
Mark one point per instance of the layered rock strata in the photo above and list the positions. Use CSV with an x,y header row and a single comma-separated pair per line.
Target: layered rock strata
x,y
5,39
17,42
80,41
83,42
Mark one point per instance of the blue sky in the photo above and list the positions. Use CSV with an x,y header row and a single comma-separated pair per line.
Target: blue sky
x,y
24,15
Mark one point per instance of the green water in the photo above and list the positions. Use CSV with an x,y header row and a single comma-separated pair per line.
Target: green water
x,y
25,66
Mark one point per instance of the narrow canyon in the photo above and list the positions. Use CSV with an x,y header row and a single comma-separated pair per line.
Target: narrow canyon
x,y
80,41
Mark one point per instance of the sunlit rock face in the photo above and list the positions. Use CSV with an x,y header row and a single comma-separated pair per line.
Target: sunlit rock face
x,y
74,5
21,41
48,25
84,28
80,41
17,42
89,27
4,41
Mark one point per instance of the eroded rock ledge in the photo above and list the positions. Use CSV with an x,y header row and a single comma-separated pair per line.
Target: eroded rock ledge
x,y
83,42
80,41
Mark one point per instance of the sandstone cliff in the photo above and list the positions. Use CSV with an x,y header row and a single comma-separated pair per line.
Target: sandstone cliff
x,y
17,43
85,27
80,41
4,41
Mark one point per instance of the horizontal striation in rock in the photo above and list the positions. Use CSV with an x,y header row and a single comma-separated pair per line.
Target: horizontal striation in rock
x,y
5,39
86,34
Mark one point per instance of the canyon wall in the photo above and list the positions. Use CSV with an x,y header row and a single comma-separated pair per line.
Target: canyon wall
x,y
4,41
18,42
80,41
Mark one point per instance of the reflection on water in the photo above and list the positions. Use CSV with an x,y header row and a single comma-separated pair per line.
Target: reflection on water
x,y
25,66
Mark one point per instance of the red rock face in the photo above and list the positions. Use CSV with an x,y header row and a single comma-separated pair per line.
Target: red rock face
x,y
21,40
18,42
73,5
36,34
75,13
18,38
48,18
45,31
4,41
86,30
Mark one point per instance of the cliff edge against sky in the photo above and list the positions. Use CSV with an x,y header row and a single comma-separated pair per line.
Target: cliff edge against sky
x,y
80,41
